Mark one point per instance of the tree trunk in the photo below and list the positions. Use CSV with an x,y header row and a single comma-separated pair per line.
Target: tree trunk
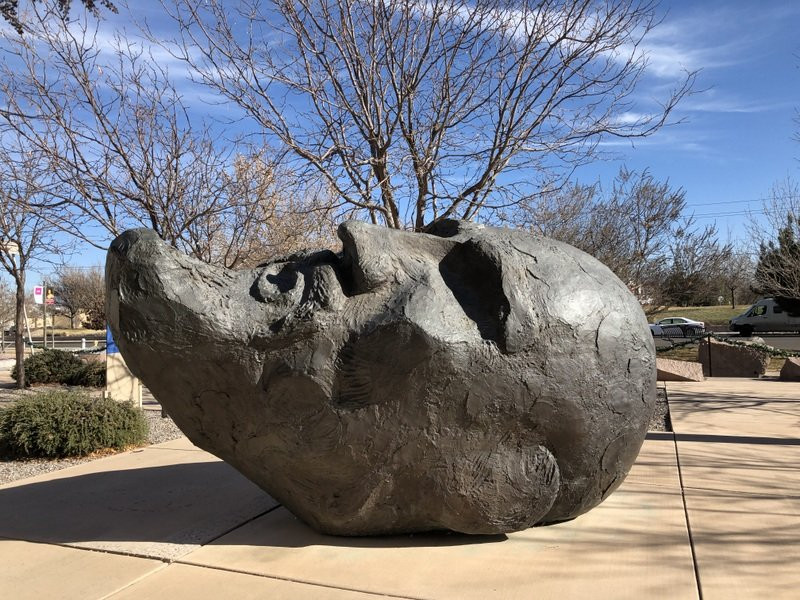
x,y
19,342
733,297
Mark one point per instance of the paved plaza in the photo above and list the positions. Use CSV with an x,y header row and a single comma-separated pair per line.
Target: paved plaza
x,y
711,511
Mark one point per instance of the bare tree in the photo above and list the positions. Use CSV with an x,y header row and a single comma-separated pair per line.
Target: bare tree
x,y
782,200
116,133
26,236
9,9
79,290
775,236
274,214
778,270
736,275
567,214
415,111
112,128
94,299
630,228
7,310
697,260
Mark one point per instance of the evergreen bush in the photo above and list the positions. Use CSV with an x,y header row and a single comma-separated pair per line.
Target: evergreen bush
x,y
91,374
56,424
49,366
58,366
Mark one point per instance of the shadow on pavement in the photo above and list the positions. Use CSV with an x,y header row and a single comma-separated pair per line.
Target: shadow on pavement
x,y
736,439
723,439
181,504
177,504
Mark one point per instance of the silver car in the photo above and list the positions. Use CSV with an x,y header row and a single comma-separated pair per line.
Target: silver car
x,y
677,327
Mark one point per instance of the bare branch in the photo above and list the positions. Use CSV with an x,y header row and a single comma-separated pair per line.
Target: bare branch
x,y
428,109
115,135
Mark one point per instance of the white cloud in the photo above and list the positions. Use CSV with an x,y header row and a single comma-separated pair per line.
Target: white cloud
x,y
631,118
673,139
704,38
731,105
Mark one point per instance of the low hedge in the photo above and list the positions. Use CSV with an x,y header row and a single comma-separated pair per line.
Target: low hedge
x,y
58,366
57,424
91,374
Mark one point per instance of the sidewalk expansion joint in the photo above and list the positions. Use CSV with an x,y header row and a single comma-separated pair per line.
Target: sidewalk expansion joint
x,y
134,582
73,546
242,524
686,515
300,581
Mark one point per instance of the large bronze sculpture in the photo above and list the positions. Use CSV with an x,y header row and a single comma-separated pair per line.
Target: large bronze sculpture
x,y
476,379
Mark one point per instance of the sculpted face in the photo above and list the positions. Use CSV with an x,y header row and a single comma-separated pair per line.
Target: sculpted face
x,y
476,379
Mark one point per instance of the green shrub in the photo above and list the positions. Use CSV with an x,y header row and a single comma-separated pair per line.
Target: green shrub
x,y
49,366
68,423
91,374
57,366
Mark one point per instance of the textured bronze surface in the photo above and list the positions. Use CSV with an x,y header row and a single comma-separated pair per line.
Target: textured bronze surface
x,y
477,379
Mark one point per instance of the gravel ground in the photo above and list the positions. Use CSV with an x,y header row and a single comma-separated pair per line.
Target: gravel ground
x,y
660,420
159,430
164,430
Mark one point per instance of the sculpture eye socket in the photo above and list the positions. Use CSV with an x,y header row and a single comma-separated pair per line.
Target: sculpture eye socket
x,y
285,280
277,281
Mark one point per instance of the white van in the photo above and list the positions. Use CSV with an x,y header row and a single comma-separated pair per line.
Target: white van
x,y
765,315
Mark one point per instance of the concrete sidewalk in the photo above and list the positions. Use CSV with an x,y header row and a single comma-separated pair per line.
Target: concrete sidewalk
x,y
171,521
739,454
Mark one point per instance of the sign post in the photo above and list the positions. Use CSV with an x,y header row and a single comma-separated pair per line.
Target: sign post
x,y
50,300
44,318
38,298
28,329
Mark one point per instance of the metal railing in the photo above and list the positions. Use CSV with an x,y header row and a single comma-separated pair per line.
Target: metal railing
x,y
82,345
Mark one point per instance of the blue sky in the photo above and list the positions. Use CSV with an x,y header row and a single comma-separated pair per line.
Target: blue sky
x,y
734,138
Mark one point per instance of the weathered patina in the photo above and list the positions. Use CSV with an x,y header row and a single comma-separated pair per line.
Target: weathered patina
x,y
476,379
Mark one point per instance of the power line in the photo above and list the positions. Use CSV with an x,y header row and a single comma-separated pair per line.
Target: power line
x,y
789,199
731,214
730,202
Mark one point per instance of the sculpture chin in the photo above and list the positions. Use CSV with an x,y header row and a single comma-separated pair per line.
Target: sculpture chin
x,y
476,379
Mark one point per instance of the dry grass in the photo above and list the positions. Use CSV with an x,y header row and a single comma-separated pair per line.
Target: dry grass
x,y
75,332
682,353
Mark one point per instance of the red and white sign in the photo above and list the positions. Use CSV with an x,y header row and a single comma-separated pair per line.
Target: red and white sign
x,y
38,294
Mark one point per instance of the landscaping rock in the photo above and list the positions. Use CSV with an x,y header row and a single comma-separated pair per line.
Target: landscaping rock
x,y
731,360
476,379
791,369
678,370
